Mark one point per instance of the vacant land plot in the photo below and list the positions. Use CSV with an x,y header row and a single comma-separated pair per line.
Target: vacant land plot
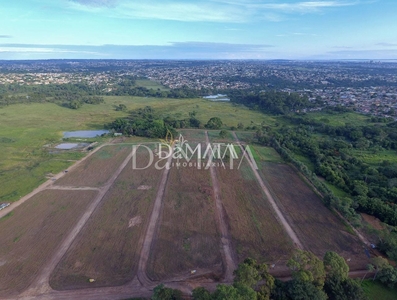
x,y
108,247
32,232
316,226
255,231
98,168
187,238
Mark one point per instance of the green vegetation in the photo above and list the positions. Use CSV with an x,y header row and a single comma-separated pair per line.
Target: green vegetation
x,y
377,291
311,279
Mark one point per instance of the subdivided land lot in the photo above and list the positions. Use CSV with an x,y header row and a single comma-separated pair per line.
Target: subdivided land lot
x,y
317,227
32,232
97,169
108,247
187,237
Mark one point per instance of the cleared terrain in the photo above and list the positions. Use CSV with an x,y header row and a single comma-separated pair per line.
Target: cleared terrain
x,y
32,232
188,237
107,248
318,228
98,168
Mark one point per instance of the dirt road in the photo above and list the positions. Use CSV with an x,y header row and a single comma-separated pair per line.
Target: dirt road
x,y
151,230
45,185
271,200
41,285
226,240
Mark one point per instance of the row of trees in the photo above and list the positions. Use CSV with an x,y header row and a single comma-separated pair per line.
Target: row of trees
x,y
312,278
146,122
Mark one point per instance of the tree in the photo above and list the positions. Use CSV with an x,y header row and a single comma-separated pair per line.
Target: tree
x,y
161,292
121,107
379,263
304,290
201,293
388,275
343,289
307,267
335,265
214,123
240,126
222,134
236,291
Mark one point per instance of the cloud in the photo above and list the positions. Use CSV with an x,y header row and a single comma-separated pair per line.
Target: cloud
x,y
97,3
5,36
204,10
177,50
387,44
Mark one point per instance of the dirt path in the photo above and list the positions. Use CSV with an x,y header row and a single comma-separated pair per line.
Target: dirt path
x,y
73,188
151,229
41,285
270,198
45,185
226,240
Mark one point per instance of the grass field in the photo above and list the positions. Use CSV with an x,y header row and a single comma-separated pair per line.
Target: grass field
x,y
377,291
26,128
340,119
150,84
31,233
187,238
108,247
317,227
97,169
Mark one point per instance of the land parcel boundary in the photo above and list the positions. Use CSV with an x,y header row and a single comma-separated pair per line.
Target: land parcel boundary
x,y
108,247
32,232
318,228
187,238
98,168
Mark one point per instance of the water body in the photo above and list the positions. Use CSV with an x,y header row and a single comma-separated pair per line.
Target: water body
x,y
66,146
218,97
84,133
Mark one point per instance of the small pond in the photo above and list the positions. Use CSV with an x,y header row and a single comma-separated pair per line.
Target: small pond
x,y
84,133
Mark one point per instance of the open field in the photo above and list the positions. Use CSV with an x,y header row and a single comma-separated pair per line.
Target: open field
x,y
32,232
188,237
339,119
98,168
316,226
107,249
254,228
150,84
26,128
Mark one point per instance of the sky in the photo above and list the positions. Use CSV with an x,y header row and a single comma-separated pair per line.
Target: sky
x,y
198,29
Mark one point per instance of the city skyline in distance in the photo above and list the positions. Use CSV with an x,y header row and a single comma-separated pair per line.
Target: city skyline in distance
x,y
210,29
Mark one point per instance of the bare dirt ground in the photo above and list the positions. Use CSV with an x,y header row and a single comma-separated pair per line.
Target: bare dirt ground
x,y
187,238
41,284
141,285
230,263
269,196
33,232
96,170
108,247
